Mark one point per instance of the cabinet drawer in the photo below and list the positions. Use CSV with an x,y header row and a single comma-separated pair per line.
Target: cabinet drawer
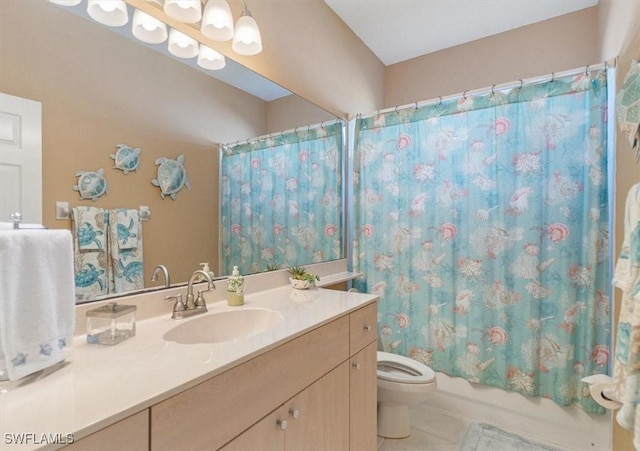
x,y
131,434
362,327
212,413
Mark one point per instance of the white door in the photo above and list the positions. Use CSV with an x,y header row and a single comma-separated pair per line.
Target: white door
x,y
20,158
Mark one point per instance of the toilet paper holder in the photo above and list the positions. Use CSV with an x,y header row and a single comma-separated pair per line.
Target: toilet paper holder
x,y
598,384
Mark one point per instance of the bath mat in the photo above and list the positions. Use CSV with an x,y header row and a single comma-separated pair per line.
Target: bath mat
x,y
484,437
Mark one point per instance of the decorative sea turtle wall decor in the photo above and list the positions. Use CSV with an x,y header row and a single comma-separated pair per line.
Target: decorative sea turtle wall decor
x,y
91,184
172,176
126,158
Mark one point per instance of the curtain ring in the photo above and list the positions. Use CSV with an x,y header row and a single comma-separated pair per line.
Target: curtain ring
x,y
464,94
322,124
416,107
493,92
521,83
553,77
586,70
439,101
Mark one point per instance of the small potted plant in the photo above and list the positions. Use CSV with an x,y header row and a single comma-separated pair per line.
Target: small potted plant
x,y
302,279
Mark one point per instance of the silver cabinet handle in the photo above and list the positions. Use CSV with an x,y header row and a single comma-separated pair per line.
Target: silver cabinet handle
x,y
356,366
282,424
367,328
295,413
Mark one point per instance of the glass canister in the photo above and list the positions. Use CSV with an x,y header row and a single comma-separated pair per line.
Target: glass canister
x,y
111,324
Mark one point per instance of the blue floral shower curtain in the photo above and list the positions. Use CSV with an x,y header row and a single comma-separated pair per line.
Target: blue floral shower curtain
x,y
281,200
482,224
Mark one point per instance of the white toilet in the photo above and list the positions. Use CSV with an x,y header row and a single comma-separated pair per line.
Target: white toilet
x,y
401,382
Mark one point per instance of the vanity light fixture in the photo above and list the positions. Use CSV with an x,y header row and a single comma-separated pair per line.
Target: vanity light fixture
x,y
217,21
108,12
181,45
187,11
210,59
247,40
148,29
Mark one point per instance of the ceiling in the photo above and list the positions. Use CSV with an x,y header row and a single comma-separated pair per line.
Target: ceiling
x,y
398,30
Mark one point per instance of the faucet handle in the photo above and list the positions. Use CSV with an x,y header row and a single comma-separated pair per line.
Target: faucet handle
x,y
200,302
179,305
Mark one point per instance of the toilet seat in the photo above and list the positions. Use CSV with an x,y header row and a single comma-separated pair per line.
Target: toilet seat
x,y
397,368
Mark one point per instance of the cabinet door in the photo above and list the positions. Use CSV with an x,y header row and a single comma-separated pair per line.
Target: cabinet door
x,y
363,399
266,435
318,417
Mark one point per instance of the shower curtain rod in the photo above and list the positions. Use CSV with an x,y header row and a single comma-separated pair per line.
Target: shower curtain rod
x,y
497,87
322,124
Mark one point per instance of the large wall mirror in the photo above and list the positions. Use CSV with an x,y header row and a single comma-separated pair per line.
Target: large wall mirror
x,y
99,89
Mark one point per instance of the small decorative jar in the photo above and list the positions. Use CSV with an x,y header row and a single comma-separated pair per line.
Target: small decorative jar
x,y
111,324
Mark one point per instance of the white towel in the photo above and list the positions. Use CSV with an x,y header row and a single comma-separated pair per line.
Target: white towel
x,y
37,301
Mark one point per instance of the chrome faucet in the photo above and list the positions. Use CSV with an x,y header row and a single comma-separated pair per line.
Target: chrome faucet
x,y
165,271
192,305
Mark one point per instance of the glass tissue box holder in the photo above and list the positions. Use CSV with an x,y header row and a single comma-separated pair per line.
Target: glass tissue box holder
x,y
111,324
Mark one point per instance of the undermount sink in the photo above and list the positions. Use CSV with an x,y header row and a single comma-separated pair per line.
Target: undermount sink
x,y
224,326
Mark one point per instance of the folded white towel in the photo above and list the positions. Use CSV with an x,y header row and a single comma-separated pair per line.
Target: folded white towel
x,y
37,301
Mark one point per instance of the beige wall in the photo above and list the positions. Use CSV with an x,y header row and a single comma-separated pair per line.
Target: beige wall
x,y
311,52
554,45
98,90
291,111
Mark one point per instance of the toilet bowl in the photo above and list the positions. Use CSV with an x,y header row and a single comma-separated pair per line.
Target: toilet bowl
x,y
401,382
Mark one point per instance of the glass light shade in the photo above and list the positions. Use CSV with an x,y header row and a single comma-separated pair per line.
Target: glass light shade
x,y
108,12
217,21
210,59
187,11
66,2
247,40
148,29
181,45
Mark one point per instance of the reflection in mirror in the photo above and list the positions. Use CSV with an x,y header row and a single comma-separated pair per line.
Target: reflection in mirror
x,y
281,199
99,89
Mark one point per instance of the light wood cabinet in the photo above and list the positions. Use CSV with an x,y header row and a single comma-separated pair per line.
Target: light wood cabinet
x,y
315,419
315,392
319,416
130,434
266,435
212,413
363,389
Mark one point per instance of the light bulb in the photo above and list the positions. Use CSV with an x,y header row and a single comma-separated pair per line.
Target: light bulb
x,y
210,59
247,40
187,11
108,12
148,29
181,45
217,21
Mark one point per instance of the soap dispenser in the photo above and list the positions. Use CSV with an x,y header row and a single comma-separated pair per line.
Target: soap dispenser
x,y
235,288
205,268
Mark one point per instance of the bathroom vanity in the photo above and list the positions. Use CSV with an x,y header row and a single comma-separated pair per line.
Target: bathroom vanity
x,y
307,382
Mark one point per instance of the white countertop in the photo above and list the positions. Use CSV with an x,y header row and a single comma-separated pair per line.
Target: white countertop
x,y
100,385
